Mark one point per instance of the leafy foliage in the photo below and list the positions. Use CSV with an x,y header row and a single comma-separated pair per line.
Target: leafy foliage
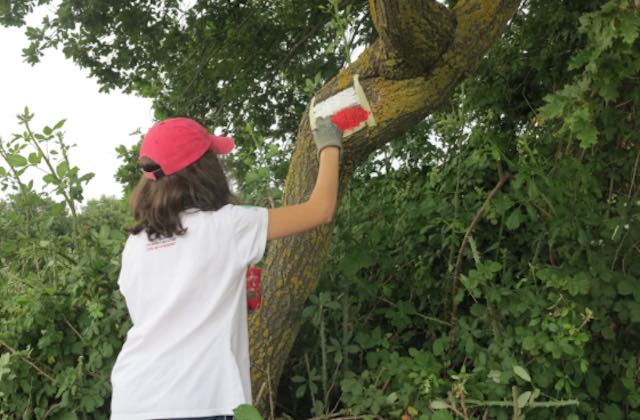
x,y
534,161
61,320
250,67
547,302
218,61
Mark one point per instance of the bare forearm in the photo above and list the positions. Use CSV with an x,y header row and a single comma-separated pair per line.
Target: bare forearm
x,y
325,192
320,207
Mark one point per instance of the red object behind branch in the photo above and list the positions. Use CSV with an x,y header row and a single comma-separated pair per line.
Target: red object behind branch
x,y
254,290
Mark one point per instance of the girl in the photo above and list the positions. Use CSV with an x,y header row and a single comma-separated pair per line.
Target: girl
x,y
182,275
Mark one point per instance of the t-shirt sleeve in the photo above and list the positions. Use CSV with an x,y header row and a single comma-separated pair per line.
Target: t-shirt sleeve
x,y
122,276
250,225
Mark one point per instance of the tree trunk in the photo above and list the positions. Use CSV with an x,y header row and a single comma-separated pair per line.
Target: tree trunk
x,y
424,50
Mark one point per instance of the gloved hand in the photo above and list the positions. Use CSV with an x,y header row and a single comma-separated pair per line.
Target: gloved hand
x,y
327,134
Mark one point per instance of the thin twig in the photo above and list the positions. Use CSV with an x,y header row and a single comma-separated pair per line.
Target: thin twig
x,y
545,214
65,256
323,353
4,154
516,407
308,365
423,316
624,257
308,33
53,407
36,262
262,388
15,278
363,416
615,257
65,194
633,176
534,404
458,266
453,407
72,327
465,412
333,383
271,405
610,193
29,362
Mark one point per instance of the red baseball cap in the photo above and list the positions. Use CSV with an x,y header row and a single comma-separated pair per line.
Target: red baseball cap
x,y
176,143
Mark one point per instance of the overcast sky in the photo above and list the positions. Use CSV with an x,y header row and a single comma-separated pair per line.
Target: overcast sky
x,y
55,89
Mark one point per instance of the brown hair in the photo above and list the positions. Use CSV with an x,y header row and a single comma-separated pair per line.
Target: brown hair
x,y
156,205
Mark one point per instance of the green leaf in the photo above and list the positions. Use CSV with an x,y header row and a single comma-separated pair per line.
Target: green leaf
x,y
629,28
35,158
49,179
62,169
246,412
495,152
522,373
579,284
392,398
59,124
87,177
608,89
438,405
104,232
354,261
593,383
626,286
529,343
532,189
107,350
515,219
523,399
587,133
613,412
495,376
442,415
607,333
440,345
16,160
554,107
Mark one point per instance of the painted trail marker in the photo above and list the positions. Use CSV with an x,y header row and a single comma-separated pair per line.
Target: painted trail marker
x,y
348,109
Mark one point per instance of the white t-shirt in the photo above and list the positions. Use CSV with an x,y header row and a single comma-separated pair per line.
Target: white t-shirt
x,y
187,353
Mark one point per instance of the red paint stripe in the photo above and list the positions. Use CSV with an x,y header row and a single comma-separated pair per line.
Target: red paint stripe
x,y
349,118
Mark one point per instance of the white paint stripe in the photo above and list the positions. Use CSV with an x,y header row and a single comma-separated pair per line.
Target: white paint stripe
x,y
343,99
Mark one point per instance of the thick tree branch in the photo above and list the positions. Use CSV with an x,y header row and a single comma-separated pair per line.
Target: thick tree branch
x,y
400,98
418,31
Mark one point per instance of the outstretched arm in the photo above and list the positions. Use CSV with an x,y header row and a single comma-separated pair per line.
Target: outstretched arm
x,y
319,209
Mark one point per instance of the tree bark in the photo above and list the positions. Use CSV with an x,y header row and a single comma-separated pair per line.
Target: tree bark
x,y
424,50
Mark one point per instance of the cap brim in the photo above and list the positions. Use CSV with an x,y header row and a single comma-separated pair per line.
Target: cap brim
x,y
221,145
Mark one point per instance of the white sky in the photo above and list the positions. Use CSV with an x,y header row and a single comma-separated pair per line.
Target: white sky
x,y
55,89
